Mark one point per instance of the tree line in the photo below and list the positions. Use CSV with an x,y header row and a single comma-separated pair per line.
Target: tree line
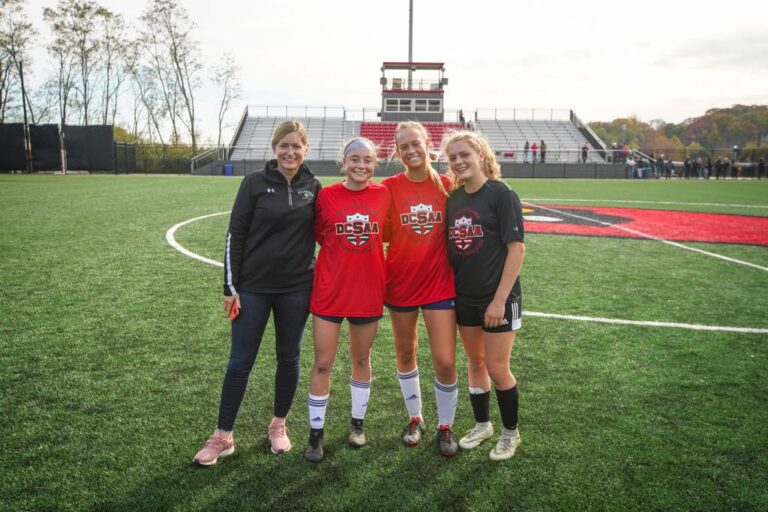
x,y
150,71
745,126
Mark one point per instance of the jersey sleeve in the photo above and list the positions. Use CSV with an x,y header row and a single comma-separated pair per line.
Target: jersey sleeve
x,y
317,224
386,233
239,225
510,212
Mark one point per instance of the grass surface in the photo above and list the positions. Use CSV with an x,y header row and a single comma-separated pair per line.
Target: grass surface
x,y
114,348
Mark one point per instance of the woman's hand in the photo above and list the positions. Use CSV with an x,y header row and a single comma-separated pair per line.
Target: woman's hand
x,y
228,300
494,313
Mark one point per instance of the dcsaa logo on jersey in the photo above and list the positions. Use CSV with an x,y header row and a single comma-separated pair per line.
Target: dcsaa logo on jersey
x,y
463,232
358,229
421,218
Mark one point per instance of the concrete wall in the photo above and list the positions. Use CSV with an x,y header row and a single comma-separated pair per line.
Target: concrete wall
x,y
514,170
508,170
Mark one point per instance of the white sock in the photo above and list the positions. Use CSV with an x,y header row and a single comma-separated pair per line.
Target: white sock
x,y
360,391
317,407
409,386
509,433
447,396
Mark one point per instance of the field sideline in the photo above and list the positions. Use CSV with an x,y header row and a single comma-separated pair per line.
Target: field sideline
x,y
114,348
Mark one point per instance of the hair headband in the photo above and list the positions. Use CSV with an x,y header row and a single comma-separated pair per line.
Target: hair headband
x,y
359,143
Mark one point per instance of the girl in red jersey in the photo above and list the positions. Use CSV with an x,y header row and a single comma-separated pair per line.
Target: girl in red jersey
x,y
486,249
419,276
350,276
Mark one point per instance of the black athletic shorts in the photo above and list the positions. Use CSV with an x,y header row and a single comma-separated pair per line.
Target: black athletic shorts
x,y
471,315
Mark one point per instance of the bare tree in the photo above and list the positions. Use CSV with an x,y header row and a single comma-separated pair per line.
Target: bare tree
x,y
63,54
147,92
16,36
162,76
112,47
176,56
226,78
75,24
5,85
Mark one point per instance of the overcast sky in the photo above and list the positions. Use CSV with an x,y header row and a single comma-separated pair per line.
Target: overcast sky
x,y
660,59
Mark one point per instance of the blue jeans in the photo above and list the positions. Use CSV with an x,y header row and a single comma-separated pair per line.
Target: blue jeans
x,y
290,312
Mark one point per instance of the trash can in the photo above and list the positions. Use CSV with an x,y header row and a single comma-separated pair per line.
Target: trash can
x,y
227,171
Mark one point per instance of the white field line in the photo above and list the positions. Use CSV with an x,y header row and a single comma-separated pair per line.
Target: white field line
x,y
628,201
693,327
651,237
169,236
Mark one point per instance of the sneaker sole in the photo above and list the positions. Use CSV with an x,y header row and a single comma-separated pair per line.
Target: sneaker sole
x,y
225,453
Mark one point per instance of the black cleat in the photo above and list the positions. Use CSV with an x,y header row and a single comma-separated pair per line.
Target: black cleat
x,y
314,450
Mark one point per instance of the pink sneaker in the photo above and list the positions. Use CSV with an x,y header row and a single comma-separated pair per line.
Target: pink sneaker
x,y
278,436
220,444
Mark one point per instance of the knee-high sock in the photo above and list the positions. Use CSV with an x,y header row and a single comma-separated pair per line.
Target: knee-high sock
x,y
509,400
447,396
409,386
480,401
361,392
317,407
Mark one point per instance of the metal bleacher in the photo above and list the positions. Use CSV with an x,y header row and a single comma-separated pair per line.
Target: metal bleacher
x,y
508,137
326,135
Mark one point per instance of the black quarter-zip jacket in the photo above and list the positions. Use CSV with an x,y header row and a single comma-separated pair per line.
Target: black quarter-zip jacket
x,y
270,243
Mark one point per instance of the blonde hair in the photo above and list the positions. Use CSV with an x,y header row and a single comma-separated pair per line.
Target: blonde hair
x,y
423,134
288,127
479,144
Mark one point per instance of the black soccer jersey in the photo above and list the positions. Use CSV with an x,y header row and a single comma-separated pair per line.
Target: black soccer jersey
x,y
479,227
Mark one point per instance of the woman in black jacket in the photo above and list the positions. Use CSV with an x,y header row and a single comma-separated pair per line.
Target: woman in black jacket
x,y
268,267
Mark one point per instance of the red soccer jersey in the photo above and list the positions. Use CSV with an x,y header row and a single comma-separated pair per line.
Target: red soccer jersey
x,y
350,272
418,271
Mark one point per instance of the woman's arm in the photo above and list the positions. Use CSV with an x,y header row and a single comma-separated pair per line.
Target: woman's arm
x,y
494,313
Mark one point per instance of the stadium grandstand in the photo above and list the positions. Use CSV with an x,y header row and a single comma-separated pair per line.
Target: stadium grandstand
x,y
416,91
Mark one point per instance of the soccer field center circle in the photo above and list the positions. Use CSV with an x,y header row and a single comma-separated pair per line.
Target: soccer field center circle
x,y
568,219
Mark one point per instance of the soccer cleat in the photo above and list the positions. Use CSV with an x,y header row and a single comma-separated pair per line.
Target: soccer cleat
x,y
476,435
505,447
413,432
446,441
356,434
220,444
314,450
278,436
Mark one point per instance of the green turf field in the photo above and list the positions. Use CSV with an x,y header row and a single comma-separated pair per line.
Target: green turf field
x,y
114,347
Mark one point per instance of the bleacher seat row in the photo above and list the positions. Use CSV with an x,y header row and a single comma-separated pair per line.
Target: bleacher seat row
x,y
327,134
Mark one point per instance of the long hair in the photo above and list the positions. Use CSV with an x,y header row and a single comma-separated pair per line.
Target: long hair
x,y
424,135
478,143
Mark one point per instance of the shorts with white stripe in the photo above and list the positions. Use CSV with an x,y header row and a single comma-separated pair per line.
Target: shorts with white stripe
x,y
472,315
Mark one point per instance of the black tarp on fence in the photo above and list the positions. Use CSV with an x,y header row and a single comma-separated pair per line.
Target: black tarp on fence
x,y
44,139
90,148
12,143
